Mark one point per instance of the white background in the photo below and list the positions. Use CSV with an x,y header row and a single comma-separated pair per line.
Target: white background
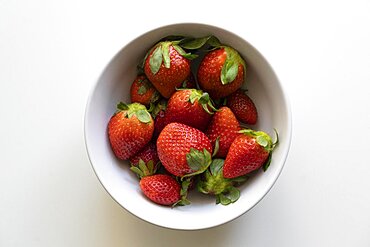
x,y
52,52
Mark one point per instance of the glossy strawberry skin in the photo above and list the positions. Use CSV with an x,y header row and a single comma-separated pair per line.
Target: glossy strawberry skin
x,y
166,80
148,153
160,121
142,91
127,136
161,189
209,75
245,155
224,126
175,141
181,110
189,82
243,107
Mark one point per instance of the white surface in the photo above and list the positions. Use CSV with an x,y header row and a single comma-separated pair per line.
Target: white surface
x,y
114,86
51,52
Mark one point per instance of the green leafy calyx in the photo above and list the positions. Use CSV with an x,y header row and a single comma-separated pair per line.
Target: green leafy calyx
x,y
183,53
203,99
155,61
135,109
184,193
214,183
142,169
230,67
198,161
217,147
161,55
156,108
122,106
144,86
262,138
198,43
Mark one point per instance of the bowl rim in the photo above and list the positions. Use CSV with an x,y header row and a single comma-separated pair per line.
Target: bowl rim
x,y
287,106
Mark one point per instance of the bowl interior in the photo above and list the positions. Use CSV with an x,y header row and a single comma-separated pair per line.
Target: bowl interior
x,y
113,86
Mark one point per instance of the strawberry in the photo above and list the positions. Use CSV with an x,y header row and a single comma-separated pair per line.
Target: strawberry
x,y
146,154
212,182
159,123
189,82
161,189
146,161
243,107
183,150
224,127
142,91
130,129
167,65
248,152
191,107
160,118
221,72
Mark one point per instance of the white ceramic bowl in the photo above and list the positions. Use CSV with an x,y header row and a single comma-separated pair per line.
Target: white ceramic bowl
x,y
113,86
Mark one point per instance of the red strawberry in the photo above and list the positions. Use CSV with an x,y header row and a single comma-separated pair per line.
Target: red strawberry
x,y
191,107
248,152
130,129
167,65
184,150
225,127
221,72
159,123
148,153
243,107
146,161
161,189
189,82
142,91
160,119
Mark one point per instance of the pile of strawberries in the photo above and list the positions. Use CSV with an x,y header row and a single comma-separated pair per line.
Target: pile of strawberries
x,y
180,133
